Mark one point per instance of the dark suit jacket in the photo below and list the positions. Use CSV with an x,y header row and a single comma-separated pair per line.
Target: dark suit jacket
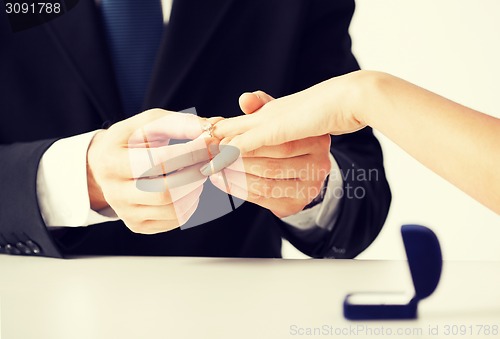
x,y
57,80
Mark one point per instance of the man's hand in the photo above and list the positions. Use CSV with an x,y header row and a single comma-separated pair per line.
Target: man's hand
x,y
151,185
282,178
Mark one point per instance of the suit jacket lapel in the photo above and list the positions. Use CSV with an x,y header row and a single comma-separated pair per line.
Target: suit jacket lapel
x,y
80,38
192,24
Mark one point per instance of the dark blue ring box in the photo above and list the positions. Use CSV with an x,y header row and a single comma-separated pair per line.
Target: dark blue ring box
x,y
425,261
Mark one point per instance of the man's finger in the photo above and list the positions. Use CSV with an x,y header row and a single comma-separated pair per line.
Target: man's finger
x,y
152,226
158,226
271,188
158,124
150,162
286,150
169,212
281,207
227,156
303,167
137,196
172,181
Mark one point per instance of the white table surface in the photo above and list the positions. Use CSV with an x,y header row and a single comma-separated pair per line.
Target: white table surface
x,y
137,297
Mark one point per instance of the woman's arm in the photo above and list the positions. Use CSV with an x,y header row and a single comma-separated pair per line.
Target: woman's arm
x,y
458,143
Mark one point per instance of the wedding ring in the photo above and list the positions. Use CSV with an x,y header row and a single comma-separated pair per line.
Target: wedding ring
x,y
208,127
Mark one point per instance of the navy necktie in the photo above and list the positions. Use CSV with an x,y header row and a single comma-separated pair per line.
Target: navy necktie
x,y
133,31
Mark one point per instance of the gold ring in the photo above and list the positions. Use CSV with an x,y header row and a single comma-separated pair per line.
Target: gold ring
x,y
208,127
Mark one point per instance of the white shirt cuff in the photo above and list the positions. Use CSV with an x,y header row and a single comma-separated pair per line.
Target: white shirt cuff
x,y
325,213
61,185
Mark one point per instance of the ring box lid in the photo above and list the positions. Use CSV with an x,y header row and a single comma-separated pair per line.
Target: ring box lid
x,y
424,258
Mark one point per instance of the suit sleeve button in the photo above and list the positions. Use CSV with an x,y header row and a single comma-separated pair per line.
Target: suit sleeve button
x,y
33,246
23,248
9,249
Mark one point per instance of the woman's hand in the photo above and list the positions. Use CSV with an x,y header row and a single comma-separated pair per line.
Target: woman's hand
x,y
282,178
326,108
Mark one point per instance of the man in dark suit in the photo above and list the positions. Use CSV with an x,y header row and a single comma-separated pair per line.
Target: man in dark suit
x,y
59,79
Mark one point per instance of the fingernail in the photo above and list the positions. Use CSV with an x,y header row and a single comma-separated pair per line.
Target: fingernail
x,y
205,170
230,152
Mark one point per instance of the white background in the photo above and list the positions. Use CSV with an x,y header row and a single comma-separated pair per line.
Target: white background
x,y
451,47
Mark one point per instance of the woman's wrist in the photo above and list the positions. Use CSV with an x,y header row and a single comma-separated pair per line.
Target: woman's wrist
x,y
370,87
347,101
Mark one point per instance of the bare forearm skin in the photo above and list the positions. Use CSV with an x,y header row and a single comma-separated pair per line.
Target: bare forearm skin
x,y
460,144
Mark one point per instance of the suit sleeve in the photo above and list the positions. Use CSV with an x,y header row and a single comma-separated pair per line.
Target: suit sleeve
x,y
325,52
22,230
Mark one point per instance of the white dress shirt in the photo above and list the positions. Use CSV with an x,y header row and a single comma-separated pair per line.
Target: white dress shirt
x,y
64,199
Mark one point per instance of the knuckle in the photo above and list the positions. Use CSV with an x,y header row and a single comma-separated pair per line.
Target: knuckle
x,y
324,141
325,166
155,113
114,128
130,219
318,144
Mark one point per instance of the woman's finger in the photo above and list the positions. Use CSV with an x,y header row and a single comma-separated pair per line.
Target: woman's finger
x,y
251,102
